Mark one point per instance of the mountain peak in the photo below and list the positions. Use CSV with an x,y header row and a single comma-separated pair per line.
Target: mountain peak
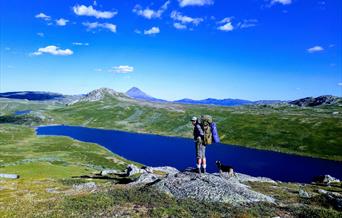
x,y
135,92
99,94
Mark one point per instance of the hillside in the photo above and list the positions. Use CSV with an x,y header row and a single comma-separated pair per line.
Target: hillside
x,y
279,127
61,177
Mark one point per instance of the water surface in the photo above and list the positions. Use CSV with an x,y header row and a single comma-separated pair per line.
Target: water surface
x,y
154,150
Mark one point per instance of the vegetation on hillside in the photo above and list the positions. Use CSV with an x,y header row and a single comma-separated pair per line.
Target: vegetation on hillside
x,y
46,188
313,131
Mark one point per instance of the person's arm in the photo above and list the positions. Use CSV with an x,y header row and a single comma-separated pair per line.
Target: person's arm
x,y
200,130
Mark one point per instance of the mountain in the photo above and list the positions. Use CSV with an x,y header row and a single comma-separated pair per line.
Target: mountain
x,y
30,95
41,96
99,94
321,100
136,93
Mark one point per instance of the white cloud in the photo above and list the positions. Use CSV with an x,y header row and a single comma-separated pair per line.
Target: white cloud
x,y
226,24
81,43
43,16
41,34
152,31
314,49
339,84
122,69
283,2
247,23
177,16
149,13
61,22
53,50
82,10
94,25
184,3
179,26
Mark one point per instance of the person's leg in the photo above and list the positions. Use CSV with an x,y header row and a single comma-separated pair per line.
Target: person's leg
x,y
198,155
204,160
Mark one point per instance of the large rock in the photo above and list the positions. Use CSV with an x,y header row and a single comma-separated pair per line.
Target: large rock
x,y
209,187
325,180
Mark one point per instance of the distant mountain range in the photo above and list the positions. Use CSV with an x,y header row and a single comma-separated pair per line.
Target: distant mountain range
x,y
136,93
41,96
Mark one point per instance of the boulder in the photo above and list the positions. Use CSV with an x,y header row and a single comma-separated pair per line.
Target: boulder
x,y
303,194
132,170
107,172
209,187
9,176
325,180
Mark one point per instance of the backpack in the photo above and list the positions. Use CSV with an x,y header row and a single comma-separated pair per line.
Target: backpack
x,y
206,121
209,129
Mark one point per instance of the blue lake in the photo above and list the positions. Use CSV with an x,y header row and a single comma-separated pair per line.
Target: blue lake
x,y
154,150
22,112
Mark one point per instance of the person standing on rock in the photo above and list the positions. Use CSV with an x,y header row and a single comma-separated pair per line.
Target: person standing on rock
x,y
200,147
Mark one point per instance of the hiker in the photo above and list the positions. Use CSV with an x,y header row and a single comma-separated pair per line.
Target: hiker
x,y
200,146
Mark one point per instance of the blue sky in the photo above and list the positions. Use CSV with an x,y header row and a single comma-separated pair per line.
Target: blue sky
x,y
249,49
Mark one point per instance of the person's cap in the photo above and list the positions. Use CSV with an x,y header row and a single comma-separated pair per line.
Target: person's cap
x,y
194,119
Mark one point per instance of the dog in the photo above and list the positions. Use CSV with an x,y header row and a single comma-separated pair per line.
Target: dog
x,y
225,169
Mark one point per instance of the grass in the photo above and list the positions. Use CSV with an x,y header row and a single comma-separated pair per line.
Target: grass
x,y
305,131
47,167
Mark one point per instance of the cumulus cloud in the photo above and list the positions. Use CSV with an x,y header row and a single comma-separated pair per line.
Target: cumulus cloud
x,y
314,49
41,34
177,16
43,16
53,50
149,13
95,25
184,3
81,43
339,84
122,69
179,26
61,22
283,2
152,31
226,24
82,10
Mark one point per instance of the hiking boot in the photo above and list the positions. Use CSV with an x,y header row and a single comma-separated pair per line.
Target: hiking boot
x,y
199,170
204,170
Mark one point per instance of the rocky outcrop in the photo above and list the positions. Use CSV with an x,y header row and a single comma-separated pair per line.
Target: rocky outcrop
x,y
321,100
210,187
205,187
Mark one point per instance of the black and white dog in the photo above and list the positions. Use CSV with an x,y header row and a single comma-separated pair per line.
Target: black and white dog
x,y
225,169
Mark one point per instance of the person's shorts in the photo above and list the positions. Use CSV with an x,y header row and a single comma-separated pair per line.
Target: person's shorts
x,y
200,149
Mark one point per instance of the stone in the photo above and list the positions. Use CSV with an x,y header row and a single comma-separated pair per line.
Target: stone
x,y
106,172
85,186
9,176
303,194
209,187
132,170
325,180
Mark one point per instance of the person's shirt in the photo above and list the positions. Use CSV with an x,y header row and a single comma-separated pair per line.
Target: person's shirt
x,y
198,132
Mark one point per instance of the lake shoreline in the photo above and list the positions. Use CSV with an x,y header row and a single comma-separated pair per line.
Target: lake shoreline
x,y
339,159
